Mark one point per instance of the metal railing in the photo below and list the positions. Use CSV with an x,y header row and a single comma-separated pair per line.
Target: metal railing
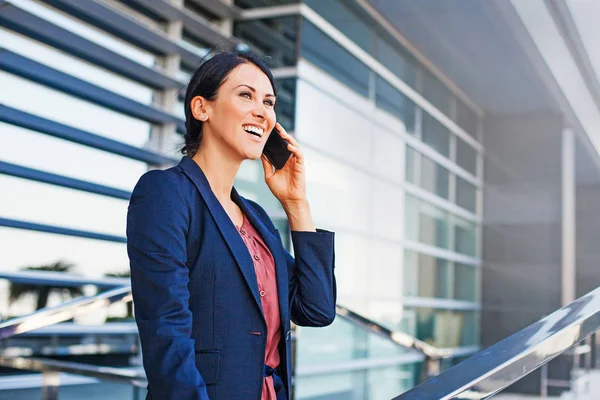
x,y
433,355
493,369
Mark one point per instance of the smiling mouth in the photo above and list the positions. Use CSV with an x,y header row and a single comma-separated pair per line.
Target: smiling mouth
x,y
254,130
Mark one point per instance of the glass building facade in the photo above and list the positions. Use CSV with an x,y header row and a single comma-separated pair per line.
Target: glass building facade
x,y
90,99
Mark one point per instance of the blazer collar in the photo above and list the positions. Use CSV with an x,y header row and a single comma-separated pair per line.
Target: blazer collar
x,y
234,241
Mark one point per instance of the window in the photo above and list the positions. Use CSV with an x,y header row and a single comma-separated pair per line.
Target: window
x,y
326,54
466,282
434,177
425,276
442,328
275,38
466,156
437,93
412,165
436,135
342,17
465,237
466,195
396,60
392,100
431,224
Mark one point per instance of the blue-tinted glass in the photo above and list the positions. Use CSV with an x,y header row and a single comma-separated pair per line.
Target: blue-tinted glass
x,y
275,37
466,282
346,20
326,54
285,106
466,156
392,100
436,135
465,237
395,60
466,195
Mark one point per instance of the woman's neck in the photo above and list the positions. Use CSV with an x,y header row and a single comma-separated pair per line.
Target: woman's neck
x,y
220,170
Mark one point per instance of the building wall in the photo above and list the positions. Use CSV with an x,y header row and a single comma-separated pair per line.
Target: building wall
x,y
522,226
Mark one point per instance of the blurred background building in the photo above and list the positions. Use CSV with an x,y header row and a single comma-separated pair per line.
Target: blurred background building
x,y
451,145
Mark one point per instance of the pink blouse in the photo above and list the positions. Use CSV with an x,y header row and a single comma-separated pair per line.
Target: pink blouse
x,y
264,266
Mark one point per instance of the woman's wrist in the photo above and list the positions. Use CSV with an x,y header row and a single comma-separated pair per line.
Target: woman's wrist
x,y
299,215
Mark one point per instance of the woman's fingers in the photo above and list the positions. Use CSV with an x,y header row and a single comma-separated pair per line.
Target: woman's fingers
x,y
267,167
287,136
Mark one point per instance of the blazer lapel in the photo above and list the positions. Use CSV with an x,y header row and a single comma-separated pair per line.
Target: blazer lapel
x,y
273,242
228,230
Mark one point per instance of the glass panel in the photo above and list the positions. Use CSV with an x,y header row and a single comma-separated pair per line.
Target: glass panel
x,y
467,119
342,17
466,282
392,100
285,106
437,93
396,60
57,106
443,328
465,237
466,156
466,195
412,166
340,342
326,54
275,37
426,223
433,224
425,276
70,65
412,218
436,135
434,177
372,383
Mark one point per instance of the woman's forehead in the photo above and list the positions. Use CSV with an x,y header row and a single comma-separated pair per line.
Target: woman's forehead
x,y
249,74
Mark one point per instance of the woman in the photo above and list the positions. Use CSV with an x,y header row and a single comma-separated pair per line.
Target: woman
x,y
213,287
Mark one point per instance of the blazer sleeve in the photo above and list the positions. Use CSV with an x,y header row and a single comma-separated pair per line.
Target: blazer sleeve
x,y
312,280
157,226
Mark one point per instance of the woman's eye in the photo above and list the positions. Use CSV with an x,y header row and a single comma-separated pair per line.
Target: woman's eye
x,y
246,95
270,103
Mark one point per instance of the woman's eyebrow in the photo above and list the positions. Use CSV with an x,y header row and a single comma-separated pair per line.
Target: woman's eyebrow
x,y
253,90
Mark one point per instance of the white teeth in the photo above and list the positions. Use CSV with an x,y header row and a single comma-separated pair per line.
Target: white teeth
x,y
251,128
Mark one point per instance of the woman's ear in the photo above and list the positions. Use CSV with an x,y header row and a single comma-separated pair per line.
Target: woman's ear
x,y
198,106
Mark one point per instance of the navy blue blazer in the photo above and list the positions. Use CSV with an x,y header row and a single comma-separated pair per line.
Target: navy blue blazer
x,y
195,292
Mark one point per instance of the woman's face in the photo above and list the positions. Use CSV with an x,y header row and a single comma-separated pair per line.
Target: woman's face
x,y
242,115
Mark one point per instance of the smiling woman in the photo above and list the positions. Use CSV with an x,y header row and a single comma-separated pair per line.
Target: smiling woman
x,y
213,285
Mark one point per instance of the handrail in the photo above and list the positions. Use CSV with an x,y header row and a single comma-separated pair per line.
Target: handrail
x,y
493,369
129,376
400,338
48,278
63,312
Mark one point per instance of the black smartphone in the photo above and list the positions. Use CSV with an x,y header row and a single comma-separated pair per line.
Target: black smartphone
x,y
276,149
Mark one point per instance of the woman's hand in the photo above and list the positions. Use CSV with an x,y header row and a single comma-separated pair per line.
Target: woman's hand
x,y
288,184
